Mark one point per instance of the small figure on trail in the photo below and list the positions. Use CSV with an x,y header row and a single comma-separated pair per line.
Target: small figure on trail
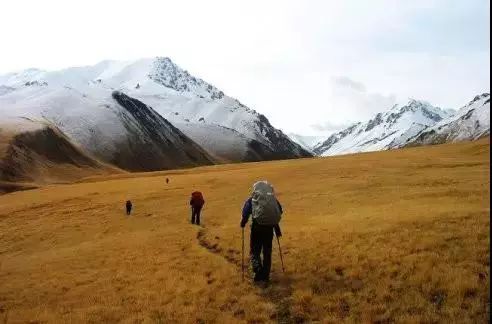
x,y
167,180
128,207
196,203
266,212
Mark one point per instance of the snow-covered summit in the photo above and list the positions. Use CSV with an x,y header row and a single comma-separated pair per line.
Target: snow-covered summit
x,y
165,72
470,122
385,130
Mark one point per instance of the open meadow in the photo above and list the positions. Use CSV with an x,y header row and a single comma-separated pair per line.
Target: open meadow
x,y
394,236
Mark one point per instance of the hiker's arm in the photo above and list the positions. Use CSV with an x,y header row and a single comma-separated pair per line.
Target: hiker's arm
x,y
277,230
280,207
247,209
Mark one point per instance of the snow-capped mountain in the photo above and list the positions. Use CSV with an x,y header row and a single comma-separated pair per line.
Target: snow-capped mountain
x,y
308,142
469,123
125,112
108,125
387,130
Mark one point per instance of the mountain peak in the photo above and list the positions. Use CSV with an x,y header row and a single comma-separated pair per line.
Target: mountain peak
x,y
384,130
479,97
165,72
470,122
418,104
411,105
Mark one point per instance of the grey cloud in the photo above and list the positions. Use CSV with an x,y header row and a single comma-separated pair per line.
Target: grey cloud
x,y
343,81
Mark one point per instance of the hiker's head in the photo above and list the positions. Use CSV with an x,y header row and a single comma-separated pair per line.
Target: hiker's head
x,y
262,186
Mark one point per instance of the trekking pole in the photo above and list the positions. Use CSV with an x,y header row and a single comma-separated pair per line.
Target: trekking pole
x,y
280,251
242,257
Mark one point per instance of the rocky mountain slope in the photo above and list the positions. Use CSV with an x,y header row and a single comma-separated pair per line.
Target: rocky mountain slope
x,y
386,130
471,122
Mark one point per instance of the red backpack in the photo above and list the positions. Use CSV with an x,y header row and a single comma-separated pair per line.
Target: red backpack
x,y
197,199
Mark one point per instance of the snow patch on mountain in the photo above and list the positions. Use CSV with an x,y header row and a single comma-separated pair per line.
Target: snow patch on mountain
x,y
226,144
308,142
387,130
469,123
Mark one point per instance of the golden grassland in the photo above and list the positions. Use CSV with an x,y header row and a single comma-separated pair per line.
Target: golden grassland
x,y
397,236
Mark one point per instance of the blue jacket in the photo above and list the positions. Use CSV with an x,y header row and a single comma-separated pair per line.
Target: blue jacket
x,y
248,210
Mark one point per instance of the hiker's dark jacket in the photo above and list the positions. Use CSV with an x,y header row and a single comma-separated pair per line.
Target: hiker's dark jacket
x,y
248,210
196,203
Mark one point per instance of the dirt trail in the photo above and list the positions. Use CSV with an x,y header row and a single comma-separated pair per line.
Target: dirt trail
x,y
278,292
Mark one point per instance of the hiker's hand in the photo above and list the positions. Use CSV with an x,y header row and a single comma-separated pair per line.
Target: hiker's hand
x,y
277,231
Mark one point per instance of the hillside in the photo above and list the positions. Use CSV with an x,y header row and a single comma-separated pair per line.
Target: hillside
x,y
33,153
393,236
228,145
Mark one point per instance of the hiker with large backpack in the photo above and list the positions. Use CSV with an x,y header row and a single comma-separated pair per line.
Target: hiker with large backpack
x,y
266,212
196,203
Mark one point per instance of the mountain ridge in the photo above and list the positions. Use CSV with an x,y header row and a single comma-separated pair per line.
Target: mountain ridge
x,y
385,130
470,122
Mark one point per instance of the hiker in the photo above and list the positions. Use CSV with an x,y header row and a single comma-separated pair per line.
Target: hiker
x,y
167,180
128,207
266,212
196,203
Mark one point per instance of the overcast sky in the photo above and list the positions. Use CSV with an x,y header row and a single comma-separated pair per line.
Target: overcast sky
x,y
309,66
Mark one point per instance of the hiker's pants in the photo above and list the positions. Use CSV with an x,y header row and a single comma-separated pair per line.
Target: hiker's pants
x,y
261,241
195,215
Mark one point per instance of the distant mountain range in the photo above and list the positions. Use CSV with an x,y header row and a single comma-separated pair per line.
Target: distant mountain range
x,y
414,123
308,142
150,114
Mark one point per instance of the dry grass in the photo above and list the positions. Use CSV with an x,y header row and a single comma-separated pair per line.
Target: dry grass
x,y
399,236
34,154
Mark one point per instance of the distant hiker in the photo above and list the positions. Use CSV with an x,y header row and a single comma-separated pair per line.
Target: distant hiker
x,y
128,207
196,203
167,180
266,212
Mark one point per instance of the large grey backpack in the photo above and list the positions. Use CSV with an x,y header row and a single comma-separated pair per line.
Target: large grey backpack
x,y
265,206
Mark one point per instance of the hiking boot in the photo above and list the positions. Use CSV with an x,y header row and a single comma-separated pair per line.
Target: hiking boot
x,y
257,278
